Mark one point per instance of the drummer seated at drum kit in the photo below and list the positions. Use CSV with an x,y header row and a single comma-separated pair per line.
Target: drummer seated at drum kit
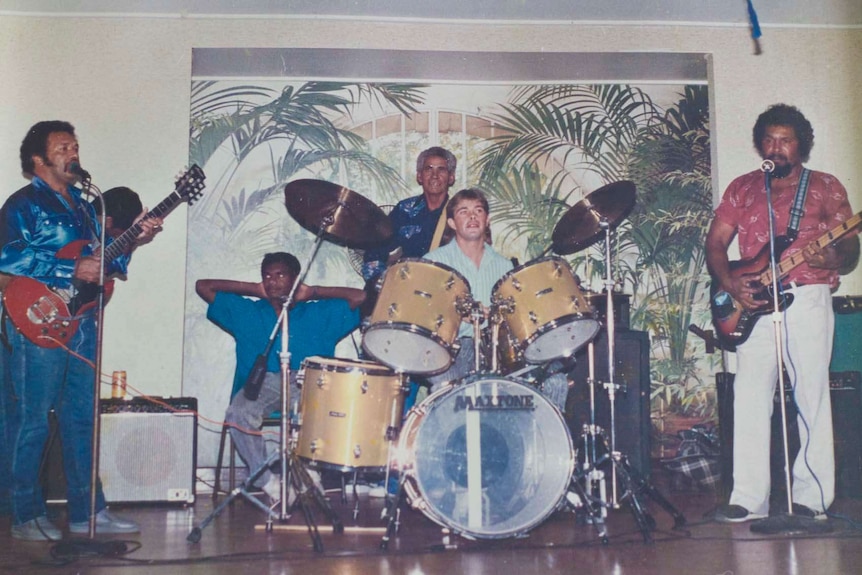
x,y
468,216
319,318
470,254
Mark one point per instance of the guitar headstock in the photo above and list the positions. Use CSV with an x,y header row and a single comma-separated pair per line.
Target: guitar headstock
x,y
190,184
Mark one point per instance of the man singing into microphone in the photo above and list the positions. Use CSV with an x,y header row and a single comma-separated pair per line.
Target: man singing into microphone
x,y
36,222
783,136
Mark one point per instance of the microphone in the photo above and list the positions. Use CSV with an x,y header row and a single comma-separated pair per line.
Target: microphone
x,y
767,166
254,382
75,168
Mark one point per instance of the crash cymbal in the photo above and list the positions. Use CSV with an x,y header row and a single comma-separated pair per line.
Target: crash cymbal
x,y
581,226
347,218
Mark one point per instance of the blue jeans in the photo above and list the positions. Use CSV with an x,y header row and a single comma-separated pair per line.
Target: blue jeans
x,y
6,404
43,379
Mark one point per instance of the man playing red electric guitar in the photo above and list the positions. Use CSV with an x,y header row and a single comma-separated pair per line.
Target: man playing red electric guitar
x,y
783,136
35,223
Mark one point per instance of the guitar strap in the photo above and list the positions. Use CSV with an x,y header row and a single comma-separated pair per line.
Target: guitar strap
x,y
796,210
441,227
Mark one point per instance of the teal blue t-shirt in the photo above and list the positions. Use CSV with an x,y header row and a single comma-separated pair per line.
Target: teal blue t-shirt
x,y
315,327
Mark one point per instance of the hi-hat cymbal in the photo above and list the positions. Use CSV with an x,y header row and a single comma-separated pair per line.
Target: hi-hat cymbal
x,y
346,218
584,223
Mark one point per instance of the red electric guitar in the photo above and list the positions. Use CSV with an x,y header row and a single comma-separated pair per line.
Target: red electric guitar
x,y
732,322
49,316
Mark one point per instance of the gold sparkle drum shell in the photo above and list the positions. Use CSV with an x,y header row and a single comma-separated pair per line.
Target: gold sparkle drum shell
x,y
550,318
415,322
350,412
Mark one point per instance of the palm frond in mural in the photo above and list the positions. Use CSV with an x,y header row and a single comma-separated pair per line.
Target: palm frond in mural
x,y
528,203
673,171
591,127
616,132
300,119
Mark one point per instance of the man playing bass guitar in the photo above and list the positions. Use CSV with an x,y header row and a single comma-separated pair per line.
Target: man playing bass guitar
x,y
783,136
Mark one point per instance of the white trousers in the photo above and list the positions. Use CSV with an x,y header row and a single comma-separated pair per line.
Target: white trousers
x,y
807,330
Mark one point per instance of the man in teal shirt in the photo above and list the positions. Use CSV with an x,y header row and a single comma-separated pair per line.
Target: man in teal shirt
x,y
317,321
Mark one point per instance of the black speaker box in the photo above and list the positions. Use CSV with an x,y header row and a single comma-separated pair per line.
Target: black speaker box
x,y
632,401
147,452
846,399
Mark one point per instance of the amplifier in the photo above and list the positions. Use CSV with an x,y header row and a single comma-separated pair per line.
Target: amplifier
x,y
147,453
632,404
846,424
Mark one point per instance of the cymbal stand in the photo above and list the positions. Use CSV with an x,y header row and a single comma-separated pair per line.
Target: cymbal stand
x,y
623,474
595,489
293,471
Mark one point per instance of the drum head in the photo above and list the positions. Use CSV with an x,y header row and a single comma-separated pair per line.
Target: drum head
x,y
561,338
492,458
406,348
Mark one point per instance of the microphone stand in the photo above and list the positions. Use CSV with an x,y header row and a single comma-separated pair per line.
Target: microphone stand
x,y
786,522
97,376
293,471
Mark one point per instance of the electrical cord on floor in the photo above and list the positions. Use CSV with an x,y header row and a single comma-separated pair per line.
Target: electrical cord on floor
x,y
69,551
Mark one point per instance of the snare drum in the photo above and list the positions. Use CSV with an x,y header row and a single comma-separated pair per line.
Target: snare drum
x,y
489,458
350,410
414,325
550,317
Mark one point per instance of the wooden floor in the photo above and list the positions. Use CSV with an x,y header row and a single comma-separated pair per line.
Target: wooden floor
x,y
234,543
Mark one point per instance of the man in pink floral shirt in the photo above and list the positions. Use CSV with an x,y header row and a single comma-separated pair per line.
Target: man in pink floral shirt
x,y
785,137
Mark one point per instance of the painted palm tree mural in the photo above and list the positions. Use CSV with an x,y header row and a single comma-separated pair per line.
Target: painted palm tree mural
x,y
537,150
558,140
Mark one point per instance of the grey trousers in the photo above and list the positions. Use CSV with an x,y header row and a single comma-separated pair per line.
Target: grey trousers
x,y
246,418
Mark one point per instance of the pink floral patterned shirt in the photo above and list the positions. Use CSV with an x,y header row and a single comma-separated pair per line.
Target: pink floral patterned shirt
x,y
744,207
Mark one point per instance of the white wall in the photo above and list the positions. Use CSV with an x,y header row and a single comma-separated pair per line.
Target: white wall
x,y
124,83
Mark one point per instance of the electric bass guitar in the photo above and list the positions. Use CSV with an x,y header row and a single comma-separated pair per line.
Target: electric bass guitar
x,y
732,322
49,317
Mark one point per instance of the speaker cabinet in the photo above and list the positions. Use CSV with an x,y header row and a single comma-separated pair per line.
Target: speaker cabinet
x,y
147,452
847,345
632,401
846,399
846,389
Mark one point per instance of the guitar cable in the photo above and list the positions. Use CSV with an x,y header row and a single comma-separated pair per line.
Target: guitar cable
x,y
803,449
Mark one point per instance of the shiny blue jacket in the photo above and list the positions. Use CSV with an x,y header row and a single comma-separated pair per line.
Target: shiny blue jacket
x,y
35,222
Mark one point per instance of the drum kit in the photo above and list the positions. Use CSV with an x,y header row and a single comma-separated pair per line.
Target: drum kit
x,y
487,456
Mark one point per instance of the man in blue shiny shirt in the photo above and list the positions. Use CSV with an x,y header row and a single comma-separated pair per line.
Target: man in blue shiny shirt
x,y
415,219
36,222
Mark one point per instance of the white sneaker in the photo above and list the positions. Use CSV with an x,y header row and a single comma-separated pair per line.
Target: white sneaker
x,y
378,491
272,488
316,480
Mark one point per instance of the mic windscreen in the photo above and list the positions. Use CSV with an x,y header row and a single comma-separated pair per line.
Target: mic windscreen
x,y
75,168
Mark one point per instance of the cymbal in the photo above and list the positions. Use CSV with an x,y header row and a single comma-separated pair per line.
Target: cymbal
x,y
347,218
581,226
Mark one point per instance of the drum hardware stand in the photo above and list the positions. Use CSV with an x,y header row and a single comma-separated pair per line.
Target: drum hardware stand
x,y
596,486
622,472
293,471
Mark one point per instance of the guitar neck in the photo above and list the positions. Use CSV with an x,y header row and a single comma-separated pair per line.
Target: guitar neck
x,y
790,262
127,238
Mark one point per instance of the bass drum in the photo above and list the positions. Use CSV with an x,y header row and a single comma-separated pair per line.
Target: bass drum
x,y
490,458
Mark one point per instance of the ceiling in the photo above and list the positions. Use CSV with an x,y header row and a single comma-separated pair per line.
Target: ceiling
x,y
721,12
